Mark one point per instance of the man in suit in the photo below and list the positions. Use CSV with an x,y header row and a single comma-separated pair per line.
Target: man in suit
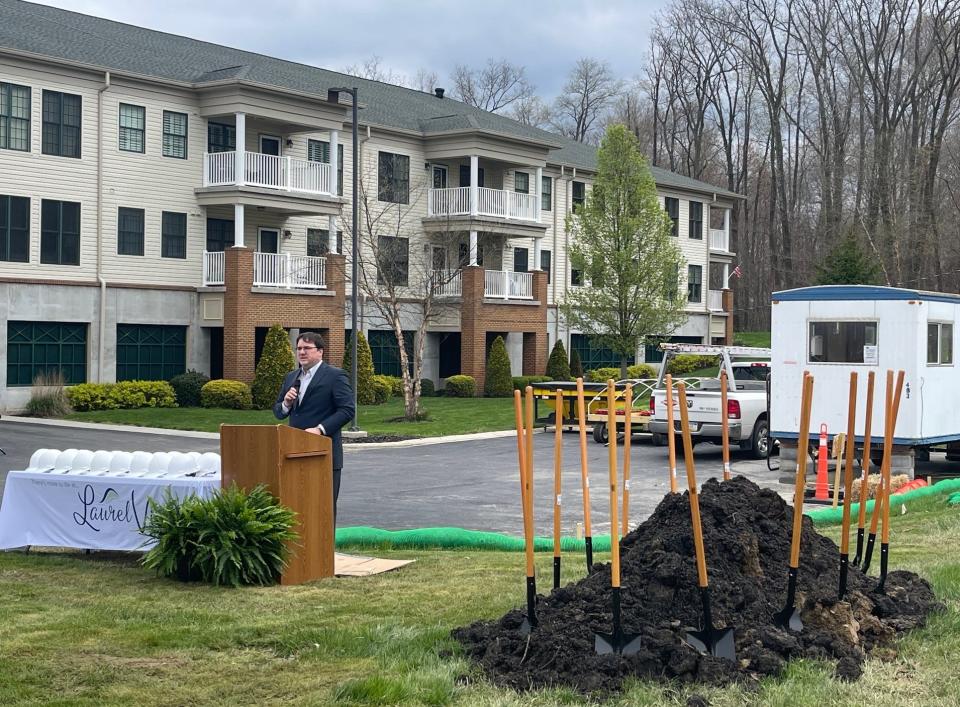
x,y
318,399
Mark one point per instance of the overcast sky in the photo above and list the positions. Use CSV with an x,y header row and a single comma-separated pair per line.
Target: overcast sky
x,y
544,36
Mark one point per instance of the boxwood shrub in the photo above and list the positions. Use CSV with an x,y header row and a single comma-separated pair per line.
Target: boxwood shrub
x,y
121,396
461,386
225,393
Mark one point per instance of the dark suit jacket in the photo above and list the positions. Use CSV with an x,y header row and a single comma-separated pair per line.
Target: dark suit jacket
x,y
328,402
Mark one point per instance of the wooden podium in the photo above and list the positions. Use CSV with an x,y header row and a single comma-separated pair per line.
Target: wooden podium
x,y
297,468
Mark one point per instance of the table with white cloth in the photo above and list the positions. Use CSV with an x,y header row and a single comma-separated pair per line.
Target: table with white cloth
x,y
86,511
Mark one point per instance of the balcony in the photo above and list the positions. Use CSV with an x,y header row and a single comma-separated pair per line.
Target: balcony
x,y
506,284
287,174
495,203
720,240
447,283
282,270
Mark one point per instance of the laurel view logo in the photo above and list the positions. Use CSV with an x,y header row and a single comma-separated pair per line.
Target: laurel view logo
x,y
111,508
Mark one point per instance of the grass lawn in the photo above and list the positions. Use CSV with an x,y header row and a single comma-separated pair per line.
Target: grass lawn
x,y
98,630
752,338
448,416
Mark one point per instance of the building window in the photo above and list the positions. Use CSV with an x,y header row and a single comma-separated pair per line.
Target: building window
x,y
843,342
694,283
594,357
386,353
319,151
576,277
173,235
15,229
545,263
61,124
695,220
672,207
546,194
14,117
132,126
46,347
520,259
394,178
59,232
221,137
175,135
219,234
129,231
579,195
318,242
150,352
939,344
393,259
521,182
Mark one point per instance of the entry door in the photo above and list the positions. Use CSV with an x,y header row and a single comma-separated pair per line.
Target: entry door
x,y
439,177
270,145
268,240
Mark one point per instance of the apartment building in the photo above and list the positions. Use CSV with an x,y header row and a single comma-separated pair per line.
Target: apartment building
x,y
163,201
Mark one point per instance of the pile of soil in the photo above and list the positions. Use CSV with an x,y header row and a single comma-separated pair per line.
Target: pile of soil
x,y
747,537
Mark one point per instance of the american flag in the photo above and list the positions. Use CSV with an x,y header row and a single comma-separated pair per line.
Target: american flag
x,y
737,272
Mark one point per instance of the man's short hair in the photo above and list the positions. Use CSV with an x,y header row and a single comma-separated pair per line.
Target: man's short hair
x,y
311,337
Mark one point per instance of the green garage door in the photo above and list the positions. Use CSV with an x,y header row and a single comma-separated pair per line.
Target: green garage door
x,y
150,352
386,353
39,347
593,357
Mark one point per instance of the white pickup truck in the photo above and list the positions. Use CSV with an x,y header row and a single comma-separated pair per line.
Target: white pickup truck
x,y
746,397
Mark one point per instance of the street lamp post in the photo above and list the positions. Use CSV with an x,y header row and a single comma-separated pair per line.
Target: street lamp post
x,y
353,247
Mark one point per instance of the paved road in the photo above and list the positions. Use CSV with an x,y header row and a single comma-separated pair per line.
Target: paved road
x,y
472,484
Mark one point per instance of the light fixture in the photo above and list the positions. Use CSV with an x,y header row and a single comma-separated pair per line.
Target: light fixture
x,y
289,142
287,233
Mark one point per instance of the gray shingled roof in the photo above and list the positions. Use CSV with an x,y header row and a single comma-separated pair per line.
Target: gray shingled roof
x,y
123,48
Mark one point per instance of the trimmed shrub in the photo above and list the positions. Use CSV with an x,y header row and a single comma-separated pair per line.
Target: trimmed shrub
x,y
225,393
48,398
124,395
498,383
365,394
687,363
558,369
461,386
521,382
641,370
187,387
382,387
576,365
601,375
427,388
276,361
233,538
396,385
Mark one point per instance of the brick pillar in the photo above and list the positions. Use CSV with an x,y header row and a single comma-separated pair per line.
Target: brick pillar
x,y
239,329
336,282
727,299
540,353
472,333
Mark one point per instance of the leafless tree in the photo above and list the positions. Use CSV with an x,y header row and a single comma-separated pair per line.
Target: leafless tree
x,y
531,111
493,87
584,99
374,69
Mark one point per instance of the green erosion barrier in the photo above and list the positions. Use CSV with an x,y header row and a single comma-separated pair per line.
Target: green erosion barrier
x,y
954,499
828,516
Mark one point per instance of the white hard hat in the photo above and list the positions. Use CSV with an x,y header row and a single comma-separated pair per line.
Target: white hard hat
x,y
36,460
81,462
120,462
180,464
65,460
210,463
48,460
140,462
159,464
100,464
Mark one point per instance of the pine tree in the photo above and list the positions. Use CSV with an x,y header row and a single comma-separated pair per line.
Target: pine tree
x,y
276,361
498,382
848,264
576,365
558,368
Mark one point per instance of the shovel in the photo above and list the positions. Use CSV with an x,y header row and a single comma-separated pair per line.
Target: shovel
x,y
627,433
848,486
883,491
789,616
525,451
557,497
671,440
864,471
887,463
617,642
724,426
584,476
715,641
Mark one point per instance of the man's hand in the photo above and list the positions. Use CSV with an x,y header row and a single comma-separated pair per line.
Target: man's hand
x,y
291,396
314,430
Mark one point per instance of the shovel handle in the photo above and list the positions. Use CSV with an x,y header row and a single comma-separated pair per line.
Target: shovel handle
x,y
612,460
521,453
671,441
627,424
584,474
528,439
806,402
848,467
692,487
865,462
724,426
557,471
888,453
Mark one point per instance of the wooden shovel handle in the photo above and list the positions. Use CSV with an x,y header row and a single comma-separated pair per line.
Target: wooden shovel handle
x,y
848,466
888,453
528,439
671,441
692,487
557,471
627,423
865,463
612,461
521,453
803,439
584,474
724,426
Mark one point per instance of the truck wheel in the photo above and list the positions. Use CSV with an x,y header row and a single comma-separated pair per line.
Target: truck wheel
x,y
600,435
760,439
658,440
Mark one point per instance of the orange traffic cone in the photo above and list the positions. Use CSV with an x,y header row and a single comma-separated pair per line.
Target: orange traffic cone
x,y
822,492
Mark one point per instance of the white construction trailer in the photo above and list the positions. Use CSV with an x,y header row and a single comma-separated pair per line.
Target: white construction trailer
x,y
832,330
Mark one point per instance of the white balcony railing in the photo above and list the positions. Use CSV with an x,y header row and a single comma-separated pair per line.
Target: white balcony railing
x,y
213,268
719,240
447,283
506,284
498,203
301,272
715,300
268,171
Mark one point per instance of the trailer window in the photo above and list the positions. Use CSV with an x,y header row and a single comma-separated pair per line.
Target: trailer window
x,y
843,342
939,344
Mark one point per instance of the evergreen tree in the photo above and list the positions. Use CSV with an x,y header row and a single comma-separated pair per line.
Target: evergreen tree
x,y
365,392
848,264
498,382
276,361
558,368
576,365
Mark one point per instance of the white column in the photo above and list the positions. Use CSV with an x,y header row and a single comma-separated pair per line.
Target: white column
x,y
473,247
726,226
537,243
241,175
332,231
726,275
334,162
474,187
538,191
238,225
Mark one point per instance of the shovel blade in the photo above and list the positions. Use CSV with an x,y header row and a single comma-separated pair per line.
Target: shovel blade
x,y
623,644
789,618
717,642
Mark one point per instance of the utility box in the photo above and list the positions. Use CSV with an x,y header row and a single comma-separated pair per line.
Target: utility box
x,y
832,330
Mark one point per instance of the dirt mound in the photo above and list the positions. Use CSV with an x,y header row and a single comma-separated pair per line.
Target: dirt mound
x,y
747,537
